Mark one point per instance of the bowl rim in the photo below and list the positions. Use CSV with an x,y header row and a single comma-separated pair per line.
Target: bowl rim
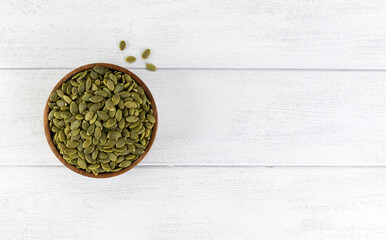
x,y
48,132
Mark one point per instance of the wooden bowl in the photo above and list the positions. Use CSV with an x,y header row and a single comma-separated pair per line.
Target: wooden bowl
x,y
48,132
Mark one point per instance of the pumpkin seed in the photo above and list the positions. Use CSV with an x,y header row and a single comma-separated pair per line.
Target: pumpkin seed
x,y
151,67
146,53
71,144
138,152
82,163
131,119
131,59
95,107
150,118
125,164
115,99
131,105
94,166
122,45
73,108
109,105
88,116
114,135
106,167
67,99
96,99
121,142
110,84
100,70
89,150
130,157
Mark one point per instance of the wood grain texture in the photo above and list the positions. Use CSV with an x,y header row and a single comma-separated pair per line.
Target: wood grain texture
x,y
194,203
195,34
226,117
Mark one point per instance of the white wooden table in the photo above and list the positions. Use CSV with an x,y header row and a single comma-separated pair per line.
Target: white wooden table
x,y
272,120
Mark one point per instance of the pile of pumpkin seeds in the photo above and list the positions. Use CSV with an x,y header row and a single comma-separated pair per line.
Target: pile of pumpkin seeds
x,y
101,120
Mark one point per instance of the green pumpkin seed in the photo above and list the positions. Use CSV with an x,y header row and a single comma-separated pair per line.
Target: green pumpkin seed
x,y
133,135
93,119
96,99
125,164
116,169
113,78
69,151
121,123
67,99
132,119
103,138
82,163
106,167
91,129
94,107
74,132
111,113
89,150
100,70
65,114
110,85
89,159
146,53
88,116
73,108
131,59
150,118
131,105
109,105
114,135
111,122
86,143
53,96
101,93
147,132
125,133
93,75
122,45
138,152
94,166
98,133
151,67
118,115
82,107
115,99
112,156
71,144
112,164
94,154
60,103
130,157
121,142
124,94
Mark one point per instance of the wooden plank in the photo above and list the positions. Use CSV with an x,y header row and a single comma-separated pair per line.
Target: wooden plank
x,y
226,117
194,203
195,34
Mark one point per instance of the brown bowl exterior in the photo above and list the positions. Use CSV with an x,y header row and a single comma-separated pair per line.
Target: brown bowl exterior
x,y
48,132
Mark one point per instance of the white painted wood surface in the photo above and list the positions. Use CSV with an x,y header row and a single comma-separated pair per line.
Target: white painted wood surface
x,y
227,117
232,134
195,33
194,203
